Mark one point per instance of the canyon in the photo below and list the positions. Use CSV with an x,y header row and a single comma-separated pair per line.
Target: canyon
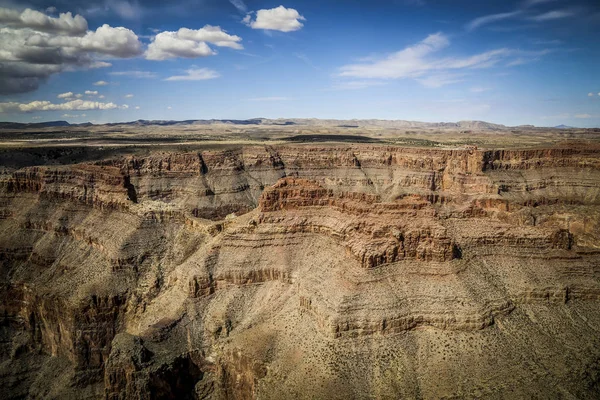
x,y
257,268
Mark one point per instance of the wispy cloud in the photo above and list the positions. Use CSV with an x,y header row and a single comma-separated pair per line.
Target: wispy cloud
x,y
553,15
195,74
420,63
488,19
522,12
532,3
135,74
303,57
240,5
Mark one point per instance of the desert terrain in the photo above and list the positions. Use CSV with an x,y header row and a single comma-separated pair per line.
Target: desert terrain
x,y
300,259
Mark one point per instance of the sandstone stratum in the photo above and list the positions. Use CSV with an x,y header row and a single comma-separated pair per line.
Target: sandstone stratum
x,y
301,271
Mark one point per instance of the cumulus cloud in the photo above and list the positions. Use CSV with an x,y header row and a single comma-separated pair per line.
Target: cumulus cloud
x,y
73,105
66,95
100,83
195,74
277,19
419,62
590,94
128,96
117,42
91,92
190,43
65,23
34,46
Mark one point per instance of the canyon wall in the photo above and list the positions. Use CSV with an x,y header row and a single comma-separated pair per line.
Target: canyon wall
x,y
303,272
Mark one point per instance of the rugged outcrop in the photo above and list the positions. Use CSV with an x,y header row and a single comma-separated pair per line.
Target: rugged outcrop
x,y
331,271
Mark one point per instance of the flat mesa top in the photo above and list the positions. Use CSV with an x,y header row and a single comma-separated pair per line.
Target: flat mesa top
x,y
192,135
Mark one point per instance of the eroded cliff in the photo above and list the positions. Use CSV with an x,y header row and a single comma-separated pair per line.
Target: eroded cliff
x,y
341,271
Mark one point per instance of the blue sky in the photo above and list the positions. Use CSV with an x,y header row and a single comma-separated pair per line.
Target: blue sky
x,y
525,62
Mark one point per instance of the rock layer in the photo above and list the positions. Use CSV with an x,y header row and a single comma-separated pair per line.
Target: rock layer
x,y
303,272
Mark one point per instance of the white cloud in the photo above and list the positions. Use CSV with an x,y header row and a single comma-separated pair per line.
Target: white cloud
x,y
590,94
137,107
169,108
128,96
66,95
277,19
34,46
553,15
91,92
195,74
65,23
583,116
488,19
418,62
409,62
73,105
101,96
100,83
124,107
520,12
190,43
134,74
240,5
78,95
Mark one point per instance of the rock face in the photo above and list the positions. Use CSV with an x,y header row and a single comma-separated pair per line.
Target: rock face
x,y
357,271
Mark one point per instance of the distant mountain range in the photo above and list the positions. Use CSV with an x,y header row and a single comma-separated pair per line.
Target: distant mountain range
x,y
354,123
564,127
